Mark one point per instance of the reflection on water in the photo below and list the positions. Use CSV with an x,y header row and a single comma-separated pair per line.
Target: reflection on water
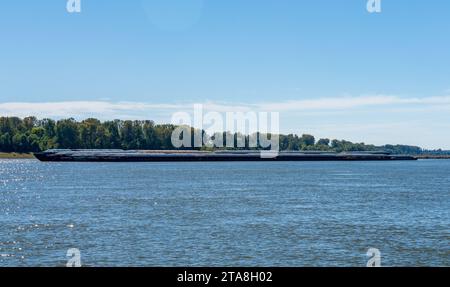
x,y
197,214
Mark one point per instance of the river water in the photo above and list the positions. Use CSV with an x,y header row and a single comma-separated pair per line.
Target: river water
x,y
225,214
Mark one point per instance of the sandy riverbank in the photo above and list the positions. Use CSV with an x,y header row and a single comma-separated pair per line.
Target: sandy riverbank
x,y
13,155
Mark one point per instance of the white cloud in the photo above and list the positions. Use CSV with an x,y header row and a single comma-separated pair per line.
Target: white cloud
x,y
352,102
107,109
80,109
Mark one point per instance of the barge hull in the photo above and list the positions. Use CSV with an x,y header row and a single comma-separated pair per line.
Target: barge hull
x,y
142,156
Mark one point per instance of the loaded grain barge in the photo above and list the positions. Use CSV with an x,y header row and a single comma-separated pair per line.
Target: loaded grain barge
x,y
78,155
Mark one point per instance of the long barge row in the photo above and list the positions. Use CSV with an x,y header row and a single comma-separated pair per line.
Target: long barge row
x,y
71,155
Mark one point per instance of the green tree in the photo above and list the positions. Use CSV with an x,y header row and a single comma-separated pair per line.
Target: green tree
x,y
20,143
67,134
6,142
31,134
89,135
150,139
323,142
112,130
307,140
127,135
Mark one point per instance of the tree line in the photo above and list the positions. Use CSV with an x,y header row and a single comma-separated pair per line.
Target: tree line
x,y
33,135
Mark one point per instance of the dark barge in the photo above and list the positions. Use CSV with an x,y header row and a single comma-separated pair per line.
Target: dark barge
x,y
78,155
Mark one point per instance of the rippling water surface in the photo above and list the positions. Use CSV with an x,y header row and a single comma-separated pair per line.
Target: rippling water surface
x,y
225,214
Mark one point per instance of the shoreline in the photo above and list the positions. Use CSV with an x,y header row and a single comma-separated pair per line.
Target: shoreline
x,y
14,155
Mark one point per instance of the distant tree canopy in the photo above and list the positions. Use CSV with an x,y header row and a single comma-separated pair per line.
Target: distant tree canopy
x,y
33,135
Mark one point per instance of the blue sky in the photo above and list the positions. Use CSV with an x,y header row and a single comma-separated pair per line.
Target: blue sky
x,y
329,67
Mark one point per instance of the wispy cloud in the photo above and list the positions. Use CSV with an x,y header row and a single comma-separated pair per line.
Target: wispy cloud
x,y
107,109
343,103
80,109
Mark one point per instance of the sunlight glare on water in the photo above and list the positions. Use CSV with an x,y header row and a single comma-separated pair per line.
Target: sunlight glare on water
x,y
225,214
